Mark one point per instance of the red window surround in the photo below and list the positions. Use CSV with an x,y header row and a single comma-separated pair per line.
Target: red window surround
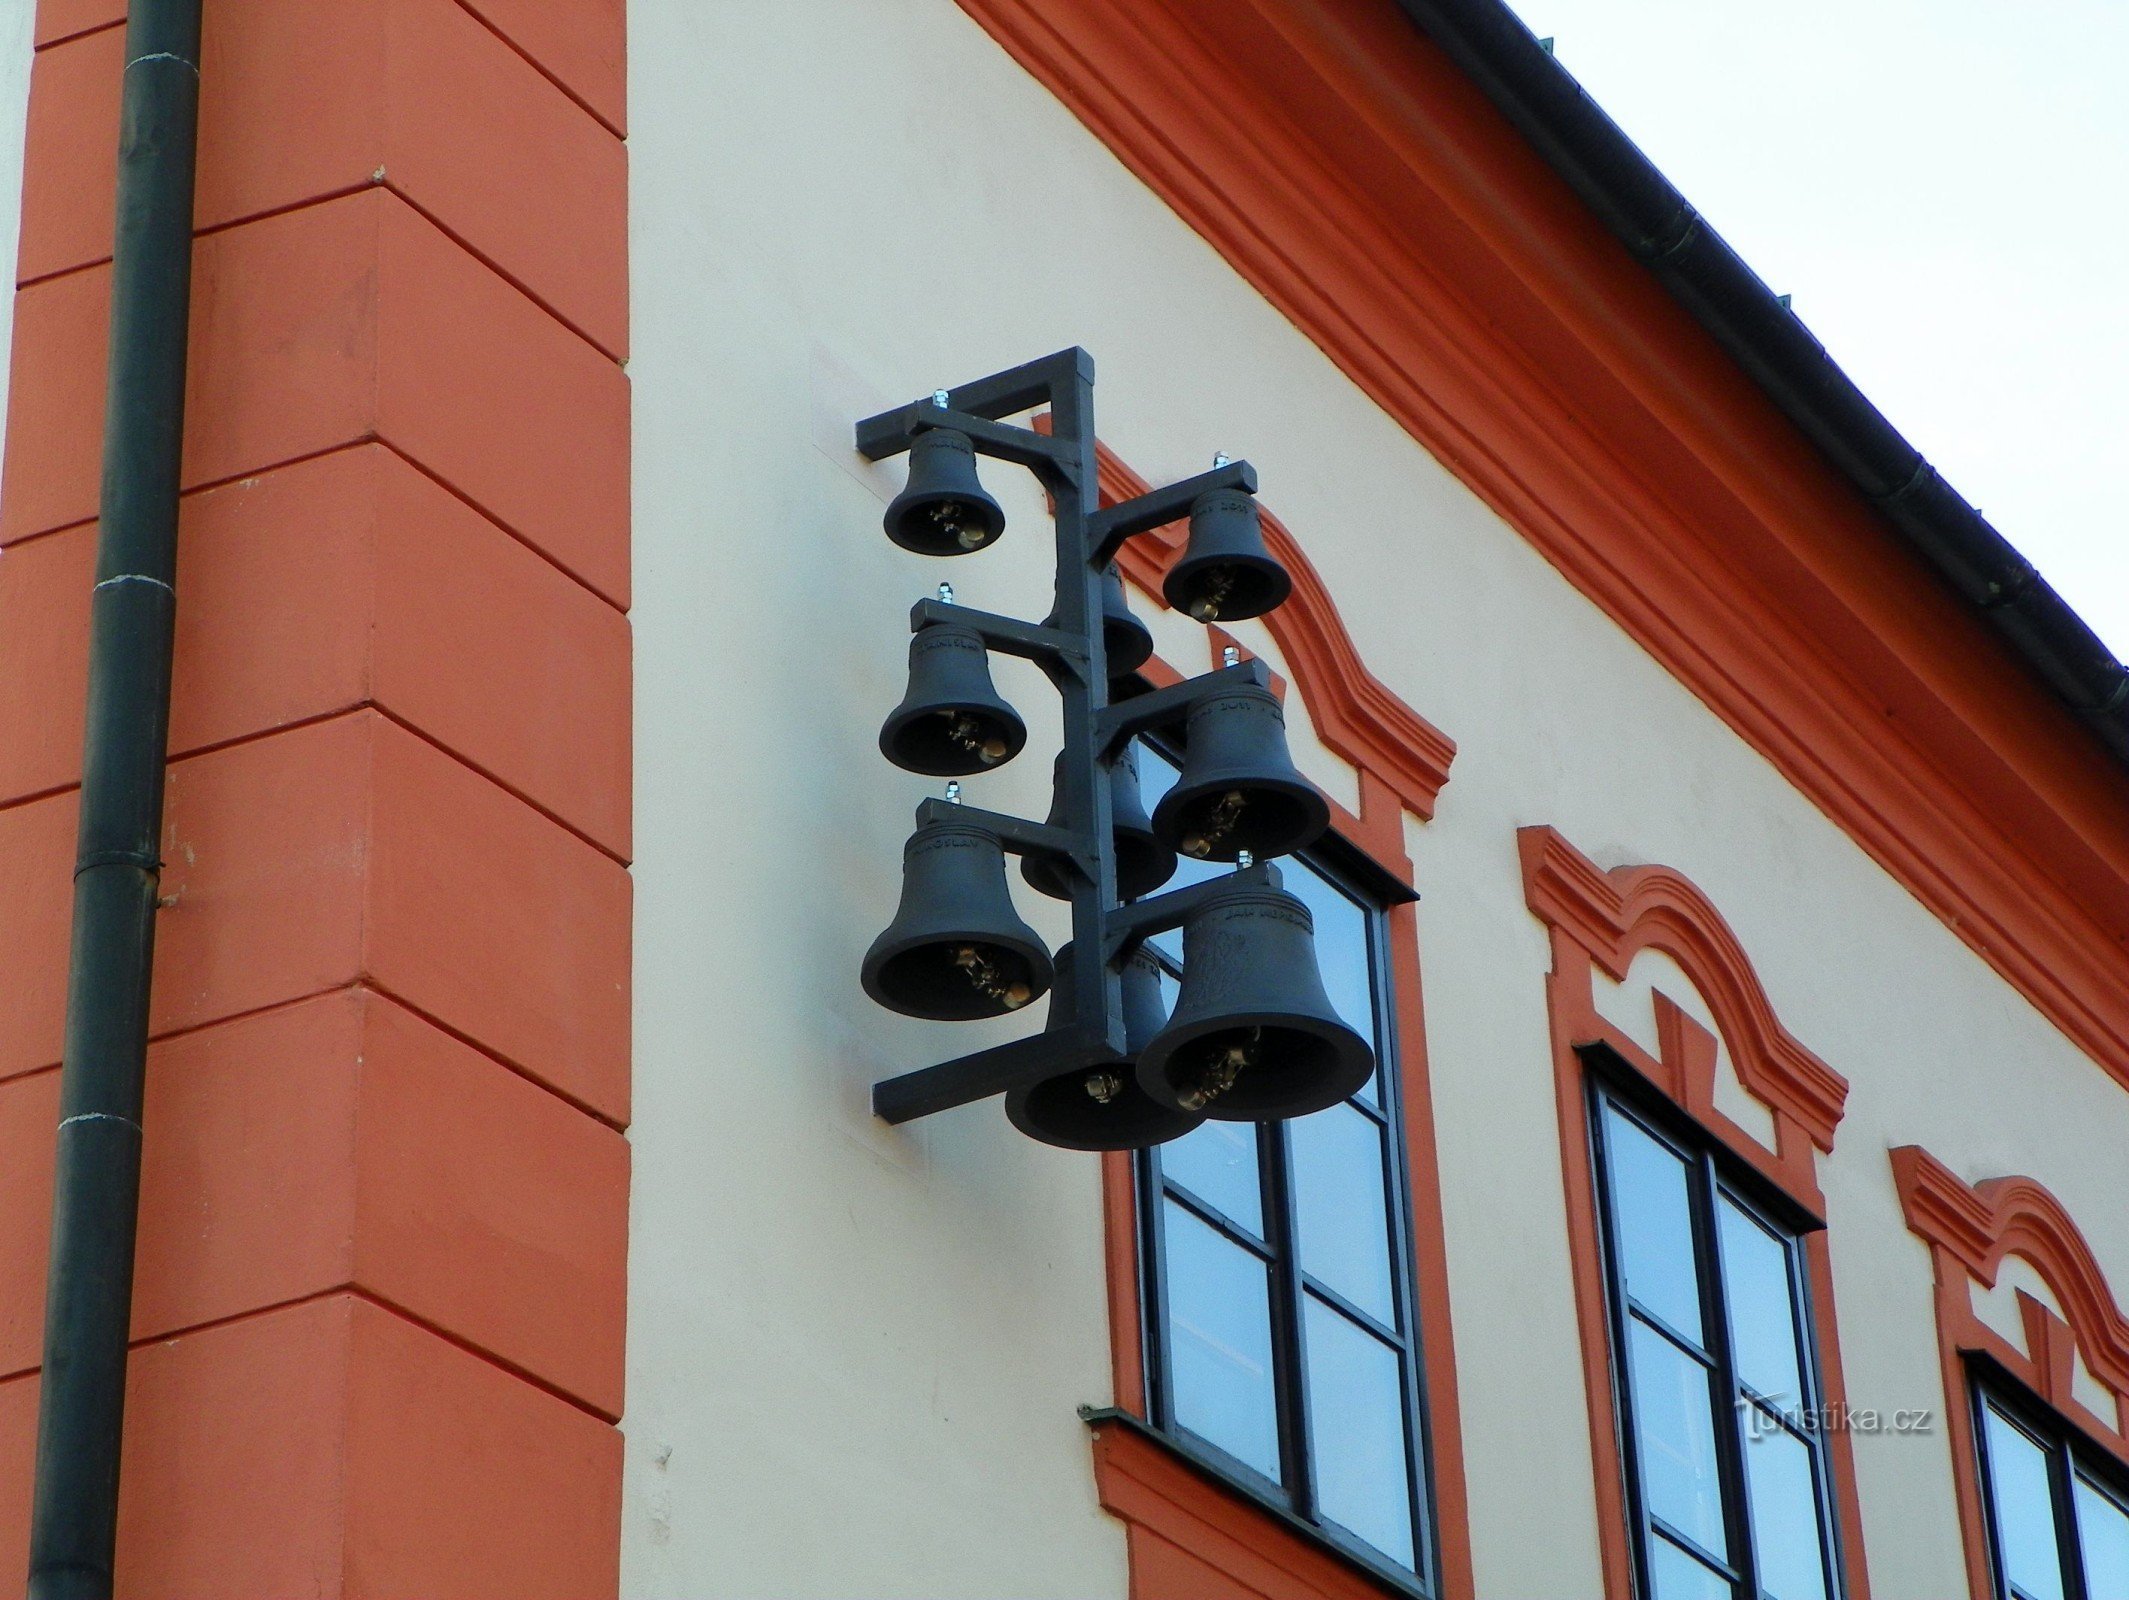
x,y
1190,1538
1971,1230
1599,922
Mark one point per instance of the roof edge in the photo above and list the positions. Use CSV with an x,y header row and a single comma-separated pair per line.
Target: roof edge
x,y
1645,212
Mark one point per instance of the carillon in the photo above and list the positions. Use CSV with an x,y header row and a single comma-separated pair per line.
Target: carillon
x,y
1254,1036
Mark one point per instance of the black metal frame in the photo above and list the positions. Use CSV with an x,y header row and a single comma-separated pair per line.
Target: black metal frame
x,y
1295,1497
1713,1175
2069,1457
1071,652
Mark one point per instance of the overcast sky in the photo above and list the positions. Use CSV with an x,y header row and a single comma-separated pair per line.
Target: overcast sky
x,y
1943,186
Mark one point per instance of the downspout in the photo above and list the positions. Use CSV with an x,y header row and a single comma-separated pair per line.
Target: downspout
x,y
118,869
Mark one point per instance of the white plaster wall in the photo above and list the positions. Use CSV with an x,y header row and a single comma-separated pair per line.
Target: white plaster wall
x,y
855,1352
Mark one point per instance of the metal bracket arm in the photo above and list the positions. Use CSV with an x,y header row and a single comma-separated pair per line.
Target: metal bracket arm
x,y
892,432
1005,634
1108,528
1017,834
1129,926
987,1072
1165,707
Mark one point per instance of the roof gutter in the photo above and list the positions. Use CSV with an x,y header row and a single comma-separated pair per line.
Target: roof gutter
x,y
1644,212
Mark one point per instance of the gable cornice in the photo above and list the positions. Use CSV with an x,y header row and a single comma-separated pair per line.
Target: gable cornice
x,y
1345,169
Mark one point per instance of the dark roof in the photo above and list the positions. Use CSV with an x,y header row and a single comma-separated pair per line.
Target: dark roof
x,y
1645,213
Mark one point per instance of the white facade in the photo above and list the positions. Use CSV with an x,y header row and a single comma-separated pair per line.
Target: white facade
x,y
856,1352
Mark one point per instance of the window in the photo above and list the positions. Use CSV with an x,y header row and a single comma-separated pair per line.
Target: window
x,y
1720,1420
1281,1339
2058,1529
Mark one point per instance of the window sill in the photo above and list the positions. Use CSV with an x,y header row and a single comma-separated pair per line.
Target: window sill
x,y
1188,1516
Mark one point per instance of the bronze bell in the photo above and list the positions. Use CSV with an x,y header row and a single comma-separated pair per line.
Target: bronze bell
x,y
1225,573
1143,863
1103,1107
956,950
951,722
943,510
1254,1038
1126,641
1238,789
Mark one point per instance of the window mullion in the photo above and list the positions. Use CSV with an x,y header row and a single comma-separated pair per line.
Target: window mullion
x,y
1289,1351
1154,1348
1715,1325
2061,1484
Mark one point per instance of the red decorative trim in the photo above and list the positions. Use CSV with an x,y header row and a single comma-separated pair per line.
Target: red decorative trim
x,y
1346,169
1187,1537
1970,1231
1191,1537
1600,921
1615,915
1356,717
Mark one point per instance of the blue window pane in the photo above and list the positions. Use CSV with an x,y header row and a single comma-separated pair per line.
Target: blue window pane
x,y
2103,1535
1679,1576
1674,1431
1780,1489
2023,1508
1341,945
1217,1162
1755,1281
1340,1198
1655,1226
1356,1431
1219,1338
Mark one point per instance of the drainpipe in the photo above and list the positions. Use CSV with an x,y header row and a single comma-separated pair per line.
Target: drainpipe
x,y
117,872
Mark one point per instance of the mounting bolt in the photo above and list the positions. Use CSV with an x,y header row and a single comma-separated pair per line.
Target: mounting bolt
x,y
938,398
953,794
1220,458
946,594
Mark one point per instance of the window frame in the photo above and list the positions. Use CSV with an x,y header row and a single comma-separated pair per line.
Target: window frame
x,y
1714,1174
1351,873
2071,1454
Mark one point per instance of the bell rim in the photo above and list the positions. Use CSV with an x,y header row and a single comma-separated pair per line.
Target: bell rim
x,y
1315,807
1351,1052
1041,971
1019,1112
1046,877
1267,567
1016,739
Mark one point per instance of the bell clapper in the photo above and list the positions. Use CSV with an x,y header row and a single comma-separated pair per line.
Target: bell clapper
x,y
988,980
1102,1087
971,735
1219,823
1218,1075
1206,607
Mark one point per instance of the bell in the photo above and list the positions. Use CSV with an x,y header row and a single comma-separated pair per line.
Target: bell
x,y
951,722
1103,1107
1126,641
1254,1038
1225,573
956,950
1143,863
943,509
1238,789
